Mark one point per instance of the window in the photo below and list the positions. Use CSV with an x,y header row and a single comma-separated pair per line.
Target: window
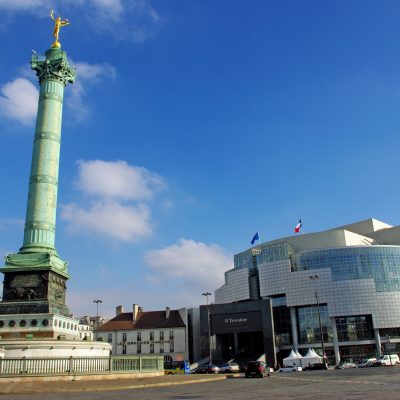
x,y
171,348
151,335
109,338
124,349
151,347
124,337
139,348
161,347
171,335
161,335
355,328
139,336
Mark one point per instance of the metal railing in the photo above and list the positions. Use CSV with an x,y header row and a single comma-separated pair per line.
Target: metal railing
x,y
80,365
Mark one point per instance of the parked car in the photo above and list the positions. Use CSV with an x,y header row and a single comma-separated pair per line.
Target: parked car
x,y
290,368
367,362
386,360
257,369
346,365
316,366
230,367
206,369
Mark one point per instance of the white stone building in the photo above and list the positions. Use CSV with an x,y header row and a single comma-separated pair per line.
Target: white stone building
x,y
162,333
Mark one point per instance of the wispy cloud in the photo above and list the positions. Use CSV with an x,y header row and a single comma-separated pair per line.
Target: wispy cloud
x,y
88,75
127,20
116,192
5,223
197,265
18,101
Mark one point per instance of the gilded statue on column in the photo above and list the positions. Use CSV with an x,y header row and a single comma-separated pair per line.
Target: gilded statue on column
x,y
58,23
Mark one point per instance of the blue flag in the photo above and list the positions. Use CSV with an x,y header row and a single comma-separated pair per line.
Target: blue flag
x,y
256,237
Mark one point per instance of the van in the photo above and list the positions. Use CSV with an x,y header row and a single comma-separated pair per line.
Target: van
x,y
388,359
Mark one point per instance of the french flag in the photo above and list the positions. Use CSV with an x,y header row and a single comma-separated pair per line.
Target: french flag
x,y
298,226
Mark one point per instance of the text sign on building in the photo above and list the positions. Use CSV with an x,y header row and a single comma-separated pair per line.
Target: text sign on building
x,y
238,322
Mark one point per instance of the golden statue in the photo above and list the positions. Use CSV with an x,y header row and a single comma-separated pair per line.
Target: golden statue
x,y
58,23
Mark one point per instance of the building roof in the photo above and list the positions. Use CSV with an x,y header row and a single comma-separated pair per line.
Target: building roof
x,y
144,320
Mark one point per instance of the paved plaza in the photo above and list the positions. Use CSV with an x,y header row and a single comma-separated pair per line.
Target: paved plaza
x,y
369,383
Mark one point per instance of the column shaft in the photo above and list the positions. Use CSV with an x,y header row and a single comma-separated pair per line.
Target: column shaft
x,y
335,341
40,222
293,323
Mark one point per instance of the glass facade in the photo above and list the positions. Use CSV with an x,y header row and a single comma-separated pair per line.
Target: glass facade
x,y
353,328
380,263
308,324
388,333
267,253
282,326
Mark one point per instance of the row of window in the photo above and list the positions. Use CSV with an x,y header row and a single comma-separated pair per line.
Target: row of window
x,y
139,336
22,323
34,322
139,348
382,264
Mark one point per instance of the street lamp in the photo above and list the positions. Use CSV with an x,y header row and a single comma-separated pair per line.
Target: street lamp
x,y
315,279
97,301
209,327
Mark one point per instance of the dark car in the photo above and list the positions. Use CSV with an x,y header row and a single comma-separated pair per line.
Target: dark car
x,y
316,366
256,369
206,369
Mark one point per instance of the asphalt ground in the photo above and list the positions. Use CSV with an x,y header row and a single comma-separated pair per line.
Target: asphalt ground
x,y
352,384
31,385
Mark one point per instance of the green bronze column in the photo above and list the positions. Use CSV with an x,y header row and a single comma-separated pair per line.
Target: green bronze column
x,y
35,277
54,73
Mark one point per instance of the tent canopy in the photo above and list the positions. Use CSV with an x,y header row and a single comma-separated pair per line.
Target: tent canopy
x,y
292,359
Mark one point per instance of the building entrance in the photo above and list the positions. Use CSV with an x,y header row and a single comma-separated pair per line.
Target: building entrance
x,y
245,345
239,331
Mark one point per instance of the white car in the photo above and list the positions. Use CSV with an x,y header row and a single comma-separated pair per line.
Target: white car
x,y
229,367
387,359
290,368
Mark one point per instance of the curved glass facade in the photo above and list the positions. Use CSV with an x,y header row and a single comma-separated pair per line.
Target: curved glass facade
x,y
380,263
263,254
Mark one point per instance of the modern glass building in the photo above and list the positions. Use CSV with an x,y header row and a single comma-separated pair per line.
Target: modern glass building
x,y
343,283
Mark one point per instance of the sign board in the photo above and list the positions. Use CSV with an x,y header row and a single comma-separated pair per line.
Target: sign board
x,y
236,322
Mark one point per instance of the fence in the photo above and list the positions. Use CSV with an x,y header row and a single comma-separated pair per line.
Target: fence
x,y
80,365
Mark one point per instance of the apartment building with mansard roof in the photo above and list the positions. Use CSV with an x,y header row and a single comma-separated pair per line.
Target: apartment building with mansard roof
x,y
139,332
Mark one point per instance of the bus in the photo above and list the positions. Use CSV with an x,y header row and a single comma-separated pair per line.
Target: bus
x,y
176,367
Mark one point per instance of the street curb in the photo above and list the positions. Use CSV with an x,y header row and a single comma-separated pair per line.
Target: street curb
x,y
111,387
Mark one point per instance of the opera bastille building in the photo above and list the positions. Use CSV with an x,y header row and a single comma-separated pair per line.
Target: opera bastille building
x,y
352,272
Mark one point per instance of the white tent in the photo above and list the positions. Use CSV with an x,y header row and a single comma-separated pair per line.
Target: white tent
x,y
311,358
293,359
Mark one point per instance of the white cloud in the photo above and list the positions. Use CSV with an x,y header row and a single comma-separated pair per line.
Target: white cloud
x,y
22,5
114,194
125,20
121,222
199,266
18,101
132,20
117,180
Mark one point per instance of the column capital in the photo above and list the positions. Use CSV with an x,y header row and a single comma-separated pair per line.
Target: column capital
x,y
53,66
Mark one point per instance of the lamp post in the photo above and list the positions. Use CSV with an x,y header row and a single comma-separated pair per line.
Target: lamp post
x,y
97,301
315,279
209,327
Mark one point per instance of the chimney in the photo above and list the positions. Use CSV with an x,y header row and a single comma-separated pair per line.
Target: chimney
x,y
119,310
167,311
136,309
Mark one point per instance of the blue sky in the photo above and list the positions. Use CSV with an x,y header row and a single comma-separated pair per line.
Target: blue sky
x,y
194,124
